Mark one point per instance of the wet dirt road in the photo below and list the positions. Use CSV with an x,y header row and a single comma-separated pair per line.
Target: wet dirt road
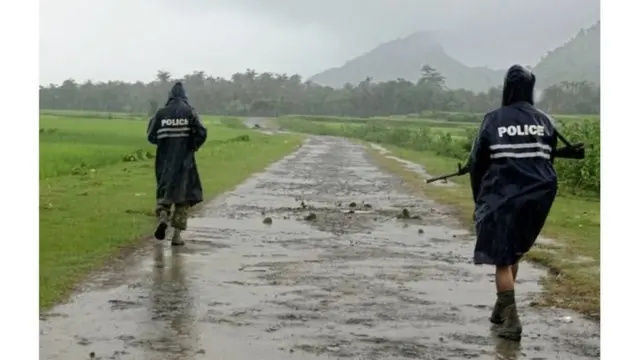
x,y
361,285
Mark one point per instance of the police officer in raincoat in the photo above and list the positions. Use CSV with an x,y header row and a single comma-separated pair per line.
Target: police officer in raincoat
x,y
514,185
177,132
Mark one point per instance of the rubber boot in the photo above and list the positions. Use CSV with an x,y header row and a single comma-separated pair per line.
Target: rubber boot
x,y
177,238
163,224
496,314
511,329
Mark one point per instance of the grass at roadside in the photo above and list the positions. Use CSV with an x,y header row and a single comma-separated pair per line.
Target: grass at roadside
x,y
94,203
574,222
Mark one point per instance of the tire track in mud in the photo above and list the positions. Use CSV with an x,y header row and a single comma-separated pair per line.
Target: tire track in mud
x,y
353,283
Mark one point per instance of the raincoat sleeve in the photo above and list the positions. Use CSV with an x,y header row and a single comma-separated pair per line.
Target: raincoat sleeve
x,y
479,157
575,151
566,152
570,152
152,129
198,131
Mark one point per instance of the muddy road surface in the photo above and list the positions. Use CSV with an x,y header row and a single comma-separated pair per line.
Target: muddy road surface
x,y
351,282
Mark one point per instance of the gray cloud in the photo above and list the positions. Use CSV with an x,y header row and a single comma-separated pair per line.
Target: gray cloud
x,y
131,39
484,31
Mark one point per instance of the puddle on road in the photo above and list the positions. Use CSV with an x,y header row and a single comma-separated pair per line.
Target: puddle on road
x,y
409,165
363,285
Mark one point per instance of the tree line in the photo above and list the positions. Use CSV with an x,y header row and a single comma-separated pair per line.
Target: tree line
x,y
267,94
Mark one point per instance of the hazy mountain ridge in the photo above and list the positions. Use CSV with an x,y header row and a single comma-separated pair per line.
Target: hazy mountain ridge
x,y
578,59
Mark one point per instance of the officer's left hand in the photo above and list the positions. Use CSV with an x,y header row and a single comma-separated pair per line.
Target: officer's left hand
x,y
578,151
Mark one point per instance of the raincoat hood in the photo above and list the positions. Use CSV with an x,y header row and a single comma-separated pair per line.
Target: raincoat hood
x,y
177,92
518,85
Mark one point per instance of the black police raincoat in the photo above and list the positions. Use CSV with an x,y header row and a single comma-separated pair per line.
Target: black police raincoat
x,y
178,133
513,179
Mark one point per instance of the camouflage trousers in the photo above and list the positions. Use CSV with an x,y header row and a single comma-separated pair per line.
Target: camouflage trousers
x,y
179,216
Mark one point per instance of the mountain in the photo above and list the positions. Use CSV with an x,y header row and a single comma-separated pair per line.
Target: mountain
x,y
403,58
578,59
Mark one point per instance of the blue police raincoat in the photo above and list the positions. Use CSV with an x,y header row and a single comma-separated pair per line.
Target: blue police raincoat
x,y
513,179
178,133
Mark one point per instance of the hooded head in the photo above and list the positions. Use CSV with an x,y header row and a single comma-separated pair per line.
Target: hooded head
x,y
177,92
518,85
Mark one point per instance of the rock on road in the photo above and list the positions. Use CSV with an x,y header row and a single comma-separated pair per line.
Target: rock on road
x,y
352,284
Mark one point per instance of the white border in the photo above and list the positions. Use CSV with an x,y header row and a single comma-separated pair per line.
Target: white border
x,y
19,181
620,185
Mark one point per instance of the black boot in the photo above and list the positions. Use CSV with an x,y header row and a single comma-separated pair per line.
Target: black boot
x,y
163,224
177,238
511,329
496,314
504,298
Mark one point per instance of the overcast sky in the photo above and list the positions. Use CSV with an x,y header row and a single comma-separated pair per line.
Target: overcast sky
x,y
131,39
